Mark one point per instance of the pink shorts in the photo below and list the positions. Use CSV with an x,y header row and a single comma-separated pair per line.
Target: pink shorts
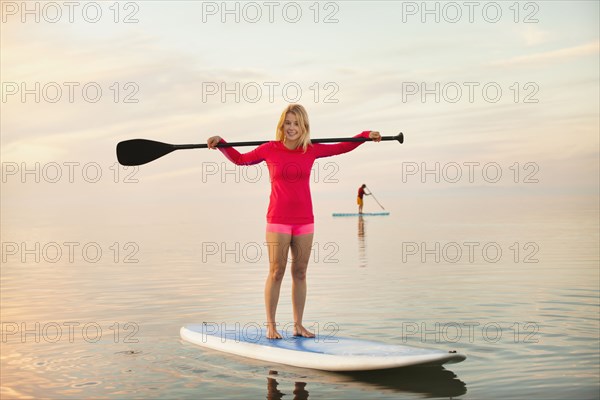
x,y
294,229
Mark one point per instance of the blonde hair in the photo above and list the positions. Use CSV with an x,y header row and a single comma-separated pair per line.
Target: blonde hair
x,y
302,117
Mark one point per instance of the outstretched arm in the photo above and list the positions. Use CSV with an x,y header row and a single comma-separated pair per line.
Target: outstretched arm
x,y
253,157
327,150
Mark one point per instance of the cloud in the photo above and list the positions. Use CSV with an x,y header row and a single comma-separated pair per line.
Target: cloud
x,y
550,56
534,36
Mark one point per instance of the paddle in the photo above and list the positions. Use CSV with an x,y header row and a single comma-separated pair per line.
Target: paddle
x,y
371,193
142,151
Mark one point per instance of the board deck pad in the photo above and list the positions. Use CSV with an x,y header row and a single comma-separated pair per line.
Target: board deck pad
x,y
327,352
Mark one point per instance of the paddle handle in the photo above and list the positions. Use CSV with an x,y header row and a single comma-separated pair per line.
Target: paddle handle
x,y
399,137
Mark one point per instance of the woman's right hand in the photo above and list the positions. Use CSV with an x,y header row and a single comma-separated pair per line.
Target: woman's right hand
x,y
213,141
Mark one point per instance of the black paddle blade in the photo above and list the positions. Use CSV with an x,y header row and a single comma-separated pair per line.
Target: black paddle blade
x,y
141,151
400,137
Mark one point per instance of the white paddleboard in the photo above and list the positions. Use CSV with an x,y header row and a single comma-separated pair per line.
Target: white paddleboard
x,y
372,214
325,352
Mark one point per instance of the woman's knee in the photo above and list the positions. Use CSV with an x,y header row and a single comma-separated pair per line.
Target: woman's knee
x,y
277,272
299,272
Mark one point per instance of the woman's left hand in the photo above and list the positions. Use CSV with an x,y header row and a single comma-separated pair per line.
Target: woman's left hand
x,y
375,136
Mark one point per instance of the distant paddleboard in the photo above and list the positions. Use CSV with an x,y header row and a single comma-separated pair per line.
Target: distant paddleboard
x,y
325,352
363,214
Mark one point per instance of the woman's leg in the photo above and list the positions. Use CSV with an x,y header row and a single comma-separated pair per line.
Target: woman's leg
x,y
301,246
278,245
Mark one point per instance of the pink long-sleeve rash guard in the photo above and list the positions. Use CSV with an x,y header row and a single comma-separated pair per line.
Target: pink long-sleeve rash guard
x,y
290,201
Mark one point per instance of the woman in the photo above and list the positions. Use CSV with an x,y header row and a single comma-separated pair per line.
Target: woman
x,y
359,198
289,217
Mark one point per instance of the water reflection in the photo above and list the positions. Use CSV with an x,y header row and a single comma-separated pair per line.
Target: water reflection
x,y
300,393
425,381
362,247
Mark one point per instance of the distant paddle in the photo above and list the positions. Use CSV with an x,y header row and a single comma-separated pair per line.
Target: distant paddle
x,y
142,151
371,193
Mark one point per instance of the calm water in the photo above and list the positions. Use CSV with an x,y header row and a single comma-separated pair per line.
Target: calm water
x,y
515,288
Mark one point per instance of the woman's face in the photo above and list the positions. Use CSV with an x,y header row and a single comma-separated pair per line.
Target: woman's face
x,y
291,128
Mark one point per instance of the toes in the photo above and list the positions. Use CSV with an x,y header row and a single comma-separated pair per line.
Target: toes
x,y
305,333
275,335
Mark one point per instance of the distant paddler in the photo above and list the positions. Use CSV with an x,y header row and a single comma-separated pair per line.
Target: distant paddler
x,y
359,198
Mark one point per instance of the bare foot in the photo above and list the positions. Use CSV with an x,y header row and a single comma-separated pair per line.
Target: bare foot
x,y
299,330
272,333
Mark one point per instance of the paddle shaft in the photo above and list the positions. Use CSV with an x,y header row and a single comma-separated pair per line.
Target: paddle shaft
x,y
398,137
374,198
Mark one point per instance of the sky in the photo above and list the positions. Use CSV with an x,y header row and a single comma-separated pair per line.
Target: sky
x,y
496,98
